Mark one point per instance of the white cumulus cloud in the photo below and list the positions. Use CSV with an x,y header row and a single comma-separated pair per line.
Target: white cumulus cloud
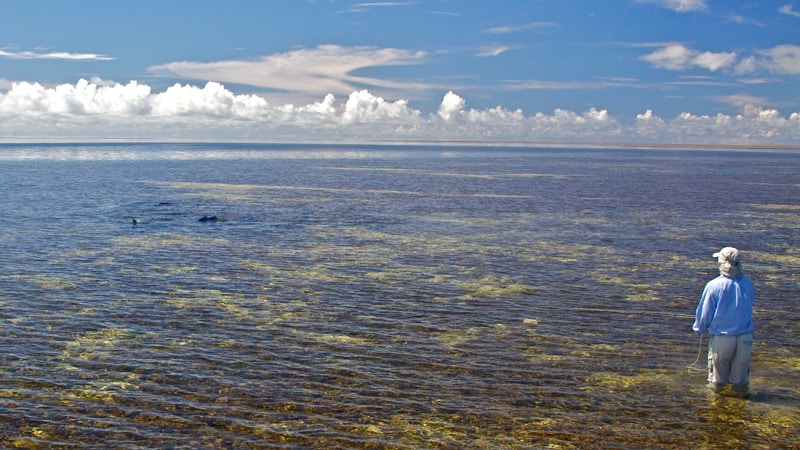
x,y
781,59
362,107
98,109
680,57
212,100
784,59
714,61
79,99
451,105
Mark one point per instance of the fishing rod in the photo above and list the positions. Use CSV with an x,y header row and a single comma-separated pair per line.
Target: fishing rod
x,y
692,368
602,310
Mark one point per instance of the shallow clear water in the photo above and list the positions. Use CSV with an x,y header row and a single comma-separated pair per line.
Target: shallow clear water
x,y
387,297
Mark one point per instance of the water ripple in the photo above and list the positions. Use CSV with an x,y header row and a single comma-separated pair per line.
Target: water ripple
x,y
385,298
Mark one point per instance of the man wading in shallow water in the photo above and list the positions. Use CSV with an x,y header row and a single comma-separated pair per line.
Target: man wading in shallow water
x,y
726,313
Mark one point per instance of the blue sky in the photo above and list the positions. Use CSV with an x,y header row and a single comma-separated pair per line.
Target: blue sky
x,y
687,71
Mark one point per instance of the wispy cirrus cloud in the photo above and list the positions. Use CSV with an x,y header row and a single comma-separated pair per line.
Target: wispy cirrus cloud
x,y
740,19
741,100
381,4
701,81
492,50
788,9
570,85
314,71
54,55
446,13
679,5
507,29
366,6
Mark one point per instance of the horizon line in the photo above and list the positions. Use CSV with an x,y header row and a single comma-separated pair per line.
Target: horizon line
x,y
466,142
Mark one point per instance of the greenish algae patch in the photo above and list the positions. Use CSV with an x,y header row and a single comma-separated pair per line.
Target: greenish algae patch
x,y
649,296
96,344
454,338
102,390
628,281
383,277
604,381
217,191
330,338
296,274
572,252
491,286
779,260
149,242
52,282
535,355
236,305
615,381
774,207
232,306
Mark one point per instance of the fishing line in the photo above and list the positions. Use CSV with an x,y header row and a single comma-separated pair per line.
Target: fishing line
x,y
600,310
691,369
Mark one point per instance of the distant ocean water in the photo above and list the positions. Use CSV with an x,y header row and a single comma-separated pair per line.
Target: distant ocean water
x,y
365,296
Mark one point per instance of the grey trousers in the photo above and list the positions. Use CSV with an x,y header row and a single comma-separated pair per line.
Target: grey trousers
x,y
729,359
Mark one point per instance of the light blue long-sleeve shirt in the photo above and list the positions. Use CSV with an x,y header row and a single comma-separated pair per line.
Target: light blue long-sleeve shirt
x,y
726,307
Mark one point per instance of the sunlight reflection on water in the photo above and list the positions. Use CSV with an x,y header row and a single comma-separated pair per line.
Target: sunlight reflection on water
x,y
386,297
